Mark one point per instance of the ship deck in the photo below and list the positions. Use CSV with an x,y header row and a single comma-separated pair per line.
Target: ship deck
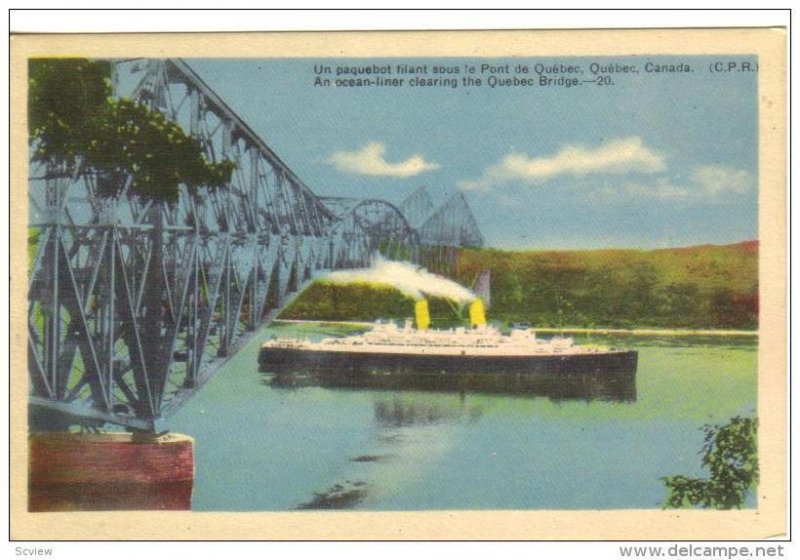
x,y
493,350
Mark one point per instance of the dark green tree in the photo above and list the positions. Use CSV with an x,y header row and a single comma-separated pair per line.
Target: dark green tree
x,y
730,453
75,125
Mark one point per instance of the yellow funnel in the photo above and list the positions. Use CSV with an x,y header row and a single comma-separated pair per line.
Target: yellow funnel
x,y
423,316
477,314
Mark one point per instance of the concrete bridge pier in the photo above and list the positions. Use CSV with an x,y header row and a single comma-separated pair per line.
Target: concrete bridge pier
x,y
110,471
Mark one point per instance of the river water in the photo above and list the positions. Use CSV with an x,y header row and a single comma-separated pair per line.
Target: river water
x,y
261,447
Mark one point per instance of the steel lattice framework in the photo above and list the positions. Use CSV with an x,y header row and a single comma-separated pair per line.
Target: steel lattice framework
x,y
133,306
367,226
441,231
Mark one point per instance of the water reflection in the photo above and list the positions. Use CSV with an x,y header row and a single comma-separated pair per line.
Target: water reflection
x,y
607,386
398,412
419,418
413,432
338,496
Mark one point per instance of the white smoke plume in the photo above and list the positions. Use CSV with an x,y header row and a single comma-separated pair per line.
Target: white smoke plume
x,y
411,280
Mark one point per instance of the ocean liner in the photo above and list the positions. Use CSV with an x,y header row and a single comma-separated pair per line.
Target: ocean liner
x,y
414,350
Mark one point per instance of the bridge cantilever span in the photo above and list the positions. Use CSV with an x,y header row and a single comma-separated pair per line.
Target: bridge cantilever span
x,y
214,266
134,305
367,226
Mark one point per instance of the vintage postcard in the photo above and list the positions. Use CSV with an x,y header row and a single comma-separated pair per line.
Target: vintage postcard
x,y
523,285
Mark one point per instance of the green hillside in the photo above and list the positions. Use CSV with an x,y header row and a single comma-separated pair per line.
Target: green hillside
x,y
693,287
359,302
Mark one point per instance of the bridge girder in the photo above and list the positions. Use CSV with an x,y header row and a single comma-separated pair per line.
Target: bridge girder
x,y
368,226
134,305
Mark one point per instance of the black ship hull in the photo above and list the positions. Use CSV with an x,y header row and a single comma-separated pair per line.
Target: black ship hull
x,y
296,360
606,375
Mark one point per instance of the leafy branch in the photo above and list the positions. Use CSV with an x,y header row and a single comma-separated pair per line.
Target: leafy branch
x,y
730,453
74,123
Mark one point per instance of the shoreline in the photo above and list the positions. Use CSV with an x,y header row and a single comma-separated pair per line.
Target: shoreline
x,y
576,330
653,332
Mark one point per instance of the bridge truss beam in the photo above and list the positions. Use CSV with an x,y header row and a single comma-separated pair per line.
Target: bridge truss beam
x,y
134,305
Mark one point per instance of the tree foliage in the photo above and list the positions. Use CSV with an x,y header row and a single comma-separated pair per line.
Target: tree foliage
x,y
691,287
730,453
362,302
73,122
664,288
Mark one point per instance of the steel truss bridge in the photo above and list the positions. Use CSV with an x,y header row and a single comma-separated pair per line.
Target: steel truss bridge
x,y
134,305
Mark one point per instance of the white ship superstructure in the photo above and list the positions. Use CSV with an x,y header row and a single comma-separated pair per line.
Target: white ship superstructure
x,y
481,340
485,340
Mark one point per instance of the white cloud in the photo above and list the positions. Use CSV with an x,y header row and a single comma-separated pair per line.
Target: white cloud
x,y
719,179
617,156
371,160
706,183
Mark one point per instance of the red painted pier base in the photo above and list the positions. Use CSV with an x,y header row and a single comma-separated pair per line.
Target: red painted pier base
x,y
111,471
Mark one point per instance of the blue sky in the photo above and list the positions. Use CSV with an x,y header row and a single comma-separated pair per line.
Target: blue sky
x,y
656,160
